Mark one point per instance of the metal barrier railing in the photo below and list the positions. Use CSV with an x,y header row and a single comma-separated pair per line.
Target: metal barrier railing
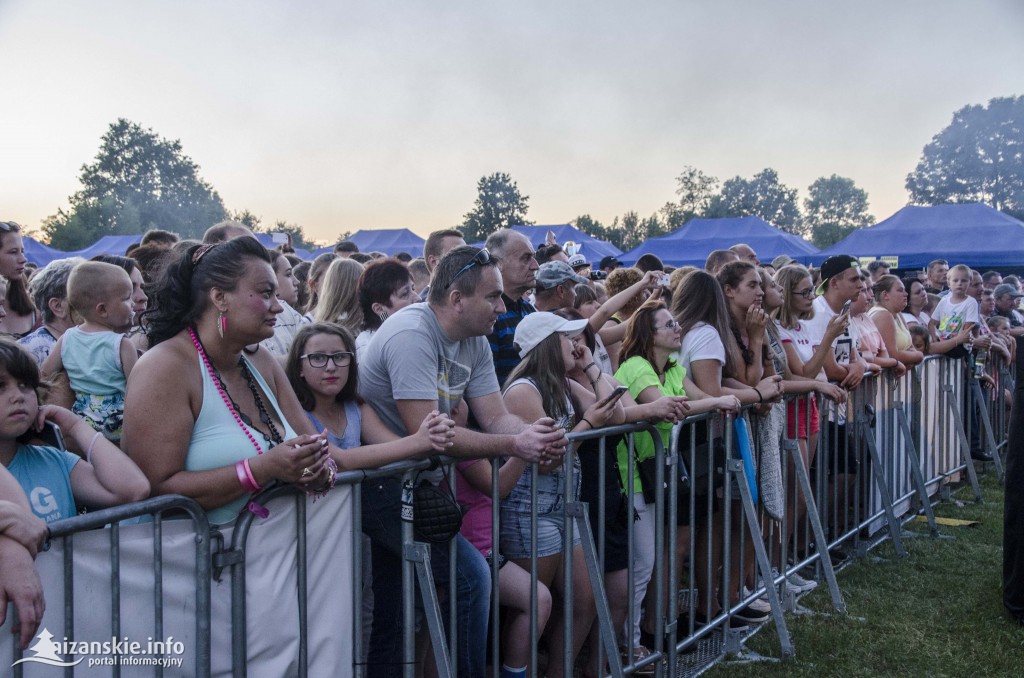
x,y
700,555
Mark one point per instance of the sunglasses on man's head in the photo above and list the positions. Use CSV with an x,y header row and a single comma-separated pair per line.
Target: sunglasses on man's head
x,y
481,258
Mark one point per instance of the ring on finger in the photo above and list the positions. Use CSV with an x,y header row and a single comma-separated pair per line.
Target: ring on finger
x,y
306,472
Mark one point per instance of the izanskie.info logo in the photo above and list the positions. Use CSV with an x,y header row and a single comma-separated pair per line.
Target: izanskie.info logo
x,y
113,652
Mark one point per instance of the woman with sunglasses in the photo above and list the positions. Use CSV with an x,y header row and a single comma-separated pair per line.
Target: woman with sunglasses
x,y
21,317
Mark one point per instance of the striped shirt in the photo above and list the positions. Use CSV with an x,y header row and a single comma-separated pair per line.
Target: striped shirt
x,y
502,339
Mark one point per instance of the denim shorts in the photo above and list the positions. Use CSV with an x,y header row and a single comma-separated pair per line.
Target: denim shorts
x,y
515,515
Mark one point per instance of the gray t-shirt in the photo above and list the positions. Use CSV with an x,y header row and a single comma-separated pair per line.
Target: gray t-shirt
x,y
410,358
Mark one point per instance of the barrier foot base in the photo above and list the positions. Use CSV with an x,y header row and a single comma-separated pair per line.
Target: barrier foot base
x,y
745,655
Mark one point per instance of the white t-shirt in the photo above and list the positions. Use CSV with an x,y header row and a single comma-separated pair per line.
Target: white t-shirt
x,y
843,344
950,318
702,342
800,339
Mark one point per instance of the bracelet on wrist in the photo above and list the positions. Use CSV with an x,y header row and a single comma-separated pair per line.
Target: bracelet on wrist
x,y
589,423
760,398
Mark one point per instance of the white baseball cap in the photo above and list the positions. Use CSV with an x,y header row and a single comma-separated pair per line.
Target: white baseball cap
x,y
536,327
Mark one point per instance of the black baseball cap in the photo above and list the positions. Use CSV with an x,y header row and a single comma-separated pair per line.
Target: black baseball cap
x,y
833,266
609,262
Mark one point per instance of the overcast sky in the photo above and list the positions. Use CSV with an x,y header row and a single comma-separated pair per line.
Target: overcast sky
x,y
340,116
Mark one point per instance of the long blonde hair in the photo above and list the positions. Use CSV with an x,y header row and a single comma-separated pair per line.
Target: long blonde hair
x,y
788,277
339,296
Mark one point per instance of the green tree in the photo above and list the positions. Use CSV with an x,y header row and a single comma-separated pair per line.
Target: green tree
x,y
978,157
499,204
696,190
760,196
834,208
591,226
137,181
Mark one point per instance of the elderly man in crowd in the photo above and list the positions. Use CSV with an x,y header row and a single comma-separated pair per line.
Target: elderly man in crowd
x,y
515,256
717,259
435,356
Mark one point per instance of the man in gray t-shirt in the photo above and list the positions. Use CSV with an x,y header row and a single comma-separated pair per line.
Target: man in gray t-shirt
x,y
435,356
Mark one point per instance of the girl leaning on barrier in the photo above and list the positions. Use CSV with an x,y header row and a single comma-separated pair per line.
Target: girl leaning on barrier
x,y
539,387
650,373
618,513
714,361
798,386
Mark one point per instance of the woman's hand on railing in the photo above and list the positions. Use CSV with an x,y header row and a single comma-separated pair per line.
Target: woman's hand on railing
x,y
831,391
729,404
669,408
771,389
437,431
299,460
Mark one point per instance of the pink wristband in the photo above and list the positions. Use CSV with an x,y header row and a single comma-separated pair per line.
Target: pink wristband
x,y
245,478
251,478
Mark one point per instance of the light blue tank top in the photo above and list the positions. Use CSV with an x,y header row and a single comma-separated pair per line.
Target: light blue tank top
x,y
93,362
217,439
353,429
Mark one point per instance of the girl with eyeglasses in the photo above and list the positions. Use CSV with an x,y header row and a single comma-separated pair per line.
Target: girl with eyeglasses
x,y
321,368
21,317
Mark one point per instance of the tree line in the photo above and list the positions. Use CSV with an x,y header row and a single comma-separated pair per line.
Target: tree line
x,y
140,180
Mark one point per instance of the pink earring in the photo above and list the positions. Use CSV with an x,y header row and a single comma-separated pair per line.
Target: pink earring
x,y
222,324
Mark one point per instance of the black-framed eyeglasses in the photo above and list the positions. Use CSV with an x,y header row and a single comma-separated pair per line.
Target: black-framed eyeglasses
x,y
806,294
340,359
481,258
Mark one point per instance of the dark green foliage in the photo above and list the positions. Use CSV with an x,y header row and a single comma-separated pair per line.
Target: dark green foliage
x,y
499,204
834,208
978,157
137,181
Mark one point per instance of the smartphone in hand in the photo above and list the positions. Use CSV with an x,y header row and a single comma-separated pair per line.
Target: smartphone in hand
x,y
615,395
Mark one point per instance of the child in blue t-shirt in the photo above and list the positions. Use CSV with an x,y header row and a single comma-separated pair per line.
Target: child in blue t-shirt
x,y
97,355
56,482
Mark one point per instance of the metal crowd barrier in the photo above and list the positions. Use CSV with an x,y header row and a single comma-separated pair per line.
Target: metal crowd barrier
x,y
885,455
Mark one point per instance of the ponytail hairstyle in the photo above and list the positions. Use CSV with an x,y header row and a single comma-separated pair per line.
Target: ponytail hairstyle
x,y
180,296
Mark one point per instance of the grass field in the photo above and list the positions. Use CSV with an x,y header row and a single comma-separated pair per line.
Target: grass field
x,y
937,612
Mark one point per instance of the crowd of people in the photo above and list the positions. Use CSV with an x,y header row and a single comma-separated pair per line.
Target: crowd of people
x,y
212,369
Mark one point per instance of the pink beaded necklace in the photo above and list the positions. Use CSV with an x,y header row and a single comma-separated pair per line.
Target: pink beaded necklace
x,y
220,390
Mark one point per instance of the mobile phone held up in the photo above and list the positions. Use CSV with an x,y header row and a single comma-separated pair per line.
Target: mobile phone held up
x,y
615,395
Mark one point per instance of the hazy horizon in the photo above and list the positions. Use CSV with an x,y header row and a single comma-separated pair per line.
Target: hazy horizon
x,y
339,118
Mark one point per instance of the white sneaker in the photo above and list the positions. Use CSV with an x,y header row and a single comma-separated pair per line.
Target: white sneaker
x,y
798,584
759,604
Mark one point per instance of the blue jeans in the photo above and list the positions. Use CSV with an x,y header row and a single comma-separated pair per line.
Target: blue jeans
x,y
382,523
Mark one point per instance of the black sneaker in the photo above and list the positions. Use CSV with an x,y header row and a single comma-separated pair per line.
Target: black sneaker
x,y
981,456
747,615
838,556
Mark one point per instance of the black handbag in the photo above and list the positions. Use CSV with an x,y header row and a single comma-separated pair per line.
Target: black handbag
x,y
436,516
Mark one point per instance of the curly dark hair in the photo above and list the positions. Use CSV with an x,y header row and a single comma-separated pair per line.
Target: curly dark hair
x,y
180,294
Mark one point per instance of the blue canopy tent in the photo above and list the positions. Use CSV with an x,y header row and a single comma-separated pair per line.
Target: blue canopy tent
x,y
389,241
972,233
691,244
592,248
40,254
267,241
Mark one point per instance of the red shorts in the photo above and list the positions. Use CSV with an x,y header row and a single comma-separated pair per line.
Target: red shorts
x,y
796,413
